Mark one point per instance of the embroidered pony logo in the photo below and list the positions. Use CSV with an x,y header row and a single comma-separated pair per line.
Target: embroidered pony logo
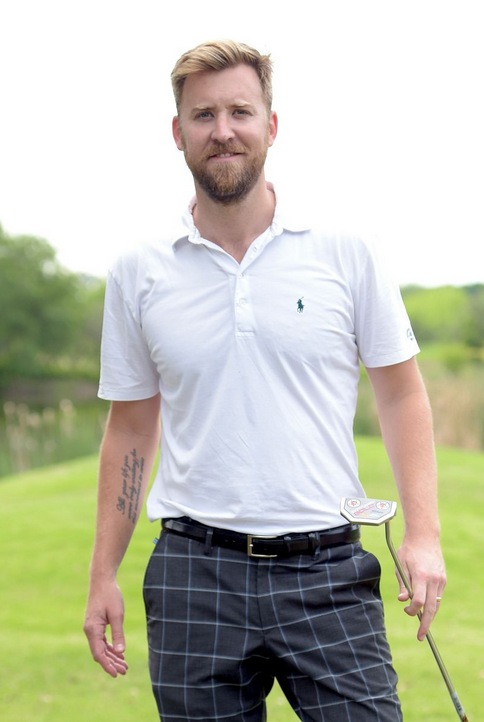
x,y
300,305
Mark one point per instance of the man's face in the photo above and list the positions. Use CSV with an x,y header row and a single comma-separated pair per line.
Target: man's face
x,y
224,129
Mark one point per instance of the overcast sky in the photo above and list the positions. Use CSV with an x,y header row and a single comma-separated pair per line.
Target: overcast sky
x,y
381,119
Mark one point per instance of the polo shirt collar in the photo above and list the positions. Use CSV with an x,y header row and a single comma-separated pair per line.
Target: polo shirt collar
x,y
279,223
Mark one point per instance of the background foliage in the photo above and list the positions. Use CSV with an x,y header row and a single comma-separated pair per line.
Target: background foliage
x,y
447,314
51,318
50,329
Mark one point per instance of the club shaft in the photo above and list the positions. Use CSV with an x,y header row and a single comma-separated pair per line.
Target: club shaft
x,y
453,694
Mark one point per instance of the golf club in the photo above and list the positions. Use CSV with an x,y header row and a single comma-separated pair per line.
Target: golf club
x,y
373,512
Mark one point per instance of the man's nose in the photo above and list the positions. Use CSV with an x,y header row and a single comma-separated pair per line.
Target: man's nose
x,y
222,129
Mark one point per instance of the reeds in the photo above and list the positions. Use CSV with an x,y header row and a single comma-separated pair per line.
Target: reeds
x,y
37,437
457,401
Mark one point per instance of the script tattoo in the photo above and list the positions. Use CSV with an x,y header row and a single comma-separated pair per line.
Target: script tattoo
x,y
131,480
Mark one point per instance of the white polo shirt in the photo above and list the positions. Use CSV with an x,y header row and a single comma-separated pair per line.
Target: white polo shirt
x,y
257,364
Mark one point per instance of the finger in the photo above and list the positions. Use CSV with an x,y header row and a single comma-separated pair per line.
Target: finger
x,y
112,663
441,588
106,659
116,658
403,594
426,619
425,605
94,632
431,607
417,600
119,644
111,649
115,663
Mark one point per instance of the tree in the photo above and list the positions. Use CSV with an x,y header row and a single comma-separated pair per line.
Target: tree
x,y
437,314
474,328
42,307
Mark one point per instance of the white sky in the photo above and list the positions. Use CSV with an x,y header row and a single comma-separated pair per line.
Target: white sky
x,y
381,118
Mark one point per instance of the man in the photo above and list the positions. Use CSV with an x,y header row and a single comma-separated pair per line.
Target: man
x,y
248,330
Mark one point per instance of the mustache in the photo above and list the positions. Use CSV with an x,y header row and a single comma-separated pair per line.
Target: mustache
x,y
217,149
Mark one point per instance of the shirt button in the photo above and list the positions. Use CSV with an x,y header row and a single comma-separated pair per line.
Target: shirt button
x,y
242,302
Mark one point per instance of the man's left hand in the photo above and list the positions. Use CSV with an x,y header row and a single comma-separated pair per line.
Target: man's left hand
x,y
425,570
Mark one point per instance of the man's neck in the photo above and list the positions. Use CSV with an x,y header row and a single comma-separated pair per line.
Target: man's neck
x,y
233,227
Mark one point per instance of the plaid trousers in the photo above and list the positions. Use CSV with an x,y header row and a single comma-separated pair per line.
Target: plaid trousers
x,y
222,626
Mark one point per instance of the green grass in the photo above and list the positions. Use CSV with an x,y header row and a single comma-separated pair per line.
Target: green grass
x,y
46,529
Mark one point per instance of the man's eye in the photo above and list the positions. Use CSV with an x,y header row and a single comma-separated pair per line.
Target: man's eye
x,y
204,114
240,111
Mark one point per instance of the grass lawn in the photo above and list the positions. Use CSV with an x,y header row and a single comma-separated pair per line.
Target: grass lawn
x,y
46,530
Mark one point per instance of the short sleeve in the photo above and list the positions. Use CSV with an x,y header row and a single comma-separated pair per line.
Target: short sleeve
x,y
127,370
383,330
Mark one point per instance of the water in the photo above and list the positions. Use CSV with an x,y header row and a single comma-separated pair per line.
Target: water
x,y
33,435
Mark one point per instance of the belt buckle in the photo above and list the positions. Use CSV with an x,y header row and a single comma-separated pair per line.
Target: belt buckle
x,y
250,540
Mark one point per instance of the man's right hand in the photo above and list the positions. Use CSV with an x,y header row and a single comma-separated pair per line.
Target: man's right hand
x,y
105,608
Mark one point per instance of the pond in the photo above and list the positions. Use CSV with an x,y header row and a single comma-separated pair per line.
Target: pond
x,y
36,433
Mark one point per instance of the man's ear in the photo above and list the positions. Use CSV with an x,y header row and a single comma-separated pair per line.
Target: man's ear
x,y
273,125
177,134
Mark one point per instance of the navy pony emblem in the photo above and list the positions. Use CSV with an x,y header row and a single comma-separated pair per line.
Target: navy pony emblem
x,y
300,305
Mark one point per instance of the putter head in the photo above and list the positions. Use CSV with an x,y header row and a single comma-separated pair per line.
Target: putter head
x,y
371,512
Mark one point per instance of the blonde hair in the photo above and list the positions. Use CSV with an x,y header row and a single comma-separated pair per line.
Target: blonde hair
x,y
217,55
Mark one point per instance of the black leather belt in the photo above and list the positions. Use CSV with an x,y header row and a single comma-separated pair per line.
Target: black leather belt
x,y
255,545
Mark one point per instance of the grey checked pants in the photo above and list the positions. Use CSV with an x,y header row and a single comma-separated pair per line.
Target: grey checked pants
x,y
222,626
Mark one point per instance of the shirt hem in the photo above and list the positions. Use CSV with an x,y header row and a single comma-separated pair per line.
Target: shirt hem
x,y
390,360
141,395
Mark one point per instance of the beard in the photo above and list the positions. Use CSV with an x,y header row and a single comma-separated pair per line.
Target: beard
x,y
227,183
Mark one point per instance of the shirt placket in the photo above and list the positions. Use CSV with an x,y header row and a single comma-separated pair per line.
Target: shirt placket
x,y
243,307
244,312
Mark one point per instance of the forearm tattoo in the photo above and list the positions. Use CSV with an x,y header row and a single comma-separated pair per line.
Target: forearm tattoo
x,y
131,481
